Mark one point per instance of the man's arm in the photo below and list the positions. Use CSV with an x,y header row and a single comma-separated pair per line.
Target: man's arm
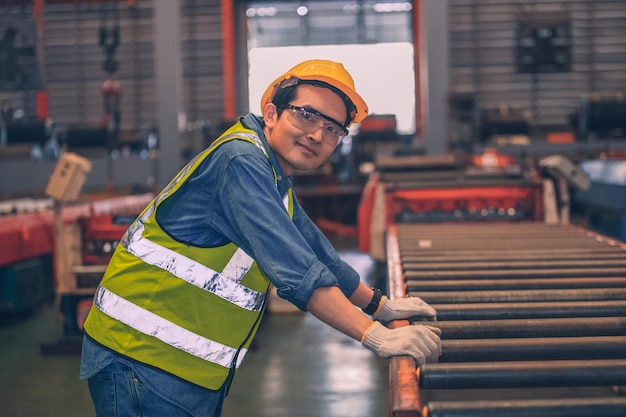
x,y
330,306
333,308
362,296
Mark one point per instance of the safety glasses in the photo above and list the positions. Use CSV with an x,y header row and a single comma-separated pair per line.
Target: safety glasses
x,y
309,121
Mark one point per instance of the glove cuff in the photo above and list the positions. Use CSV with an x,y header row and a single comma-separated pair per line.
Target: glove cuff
x,y
374,337
383,313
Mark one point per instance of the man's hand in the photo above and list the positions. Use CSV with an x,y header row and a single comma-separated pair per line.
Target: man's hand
x,y
421,342
402,309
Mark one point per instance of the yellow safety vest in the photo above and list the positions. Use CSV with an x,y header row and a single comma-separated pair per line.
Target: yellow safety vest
x,y
187,310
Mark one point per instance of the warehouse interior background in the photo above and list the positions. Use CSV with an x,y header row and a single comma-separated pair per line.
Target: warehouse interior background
x,y
468,70
483,112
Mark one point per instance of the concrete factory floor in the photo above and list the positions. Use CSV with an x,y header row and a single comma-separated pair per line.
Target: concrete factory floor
x,y
300,367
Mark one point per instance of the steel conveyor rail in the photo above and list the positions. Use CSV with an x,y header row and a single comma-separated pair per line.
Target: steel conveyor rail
x,y
533,320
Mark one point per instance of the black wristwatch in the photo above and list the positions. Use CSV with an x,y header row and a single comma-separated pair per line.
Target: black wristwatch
x,y
373,305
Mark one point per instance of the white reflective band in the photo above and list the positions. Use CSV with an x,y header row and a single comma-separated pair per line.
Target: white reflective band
x,y
252,136
286,201
152,325
238,266
193,272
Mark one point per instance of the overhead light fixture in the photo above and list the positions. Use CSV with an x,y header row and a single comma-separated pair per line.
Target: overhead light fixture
x,y
392,7
261,12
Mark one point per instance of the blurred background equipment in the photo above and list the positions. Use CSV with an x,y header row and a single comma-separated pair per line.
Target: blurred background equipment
x,y
600,116
504,125
20,56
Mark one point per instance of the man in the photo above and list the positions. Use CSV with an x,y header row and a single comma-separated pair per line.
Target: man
x,y
186,288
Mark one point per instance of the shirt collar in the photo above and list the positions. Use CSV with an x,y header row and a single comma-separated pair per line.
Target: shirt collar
x,y
255,123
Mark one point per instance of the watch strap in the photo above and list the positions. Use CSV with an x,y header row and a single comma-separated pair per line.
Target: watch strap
x,y
374,303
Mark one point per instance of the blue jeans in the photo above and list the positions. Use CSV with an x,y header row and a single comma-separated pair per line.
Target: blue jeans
x,y
127,390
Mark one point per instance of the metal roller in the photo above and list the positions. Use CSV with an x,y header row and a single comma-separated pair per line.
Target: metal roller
x,y
520,255
469,231
516,273
524,374
511,284
473,230
553,348
485,228
507,243
516,263
558,407
559,327
540,238
497,311
584,294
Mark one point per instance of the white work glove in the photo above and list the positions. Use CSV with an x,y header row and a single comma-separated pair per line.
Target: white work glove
x,y
403,309
421,342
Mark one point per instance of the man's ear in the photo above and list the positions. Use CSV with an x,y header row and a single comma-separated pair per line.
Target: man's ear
x,y
270,114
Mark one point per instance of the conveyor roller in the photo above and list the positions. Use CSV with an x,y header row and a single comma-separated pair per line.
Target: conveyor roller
x,y
533,320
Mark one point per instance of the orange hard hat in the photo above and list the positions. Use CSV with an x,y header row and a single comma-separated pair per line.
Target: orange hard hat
x,y
329,72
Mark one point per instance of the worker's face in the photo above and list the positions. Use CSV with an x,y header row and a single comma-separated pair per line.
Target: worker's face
x,y
295,149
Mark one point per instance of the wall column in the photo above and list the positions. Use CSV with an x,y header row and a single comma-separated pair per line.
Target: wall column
x,y
434,69
168,79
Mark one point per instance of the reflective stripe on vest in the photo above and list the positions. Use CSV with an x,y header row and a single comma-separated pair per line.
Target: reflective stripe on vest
x,y
226,287
238,266
166,331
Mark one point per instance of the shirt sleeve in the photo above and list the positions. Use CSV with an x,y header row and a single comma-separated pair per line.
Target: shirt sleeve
x,y
347,277
251,213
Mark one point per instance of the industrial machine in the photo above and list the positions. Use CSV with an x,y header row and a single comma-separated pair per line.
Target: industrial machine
x,y
603,204
450,188
600,116
504,124
532,308
90,243
27,264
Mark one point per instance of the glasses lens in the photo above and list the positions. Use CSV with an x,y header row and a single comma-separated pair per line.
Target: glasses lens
x,y
307,118
310,122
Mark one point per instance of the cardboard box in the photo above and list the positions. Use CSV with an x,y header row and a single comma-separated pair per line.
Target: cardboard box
x,y
68,177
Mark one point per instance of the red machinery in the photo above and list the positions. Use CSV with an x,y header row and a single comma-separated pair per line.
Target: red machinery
x,y
27,270
27,246
418,189
100,236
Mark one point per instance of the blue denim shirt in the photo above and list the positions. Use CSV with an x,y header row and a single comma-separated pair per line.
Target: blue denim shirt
x,y
232,197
